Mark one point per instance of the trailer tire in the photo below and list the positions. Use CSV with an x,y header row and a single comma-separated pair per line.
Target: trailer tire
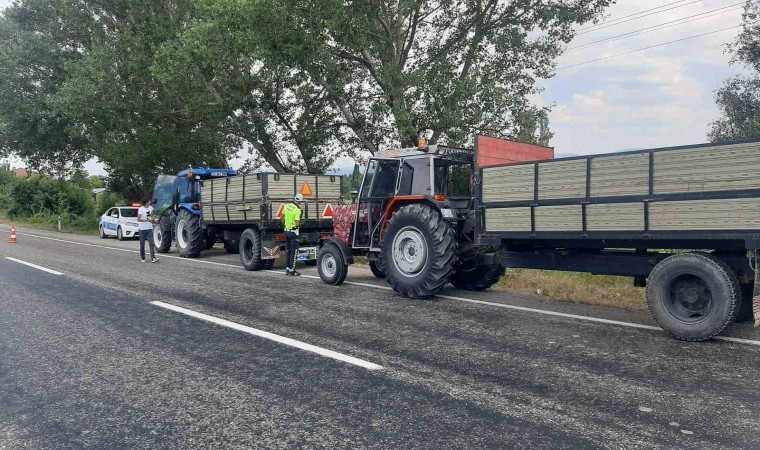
x,y
693,296
232,247
311,262
331,265
268,264
250,250
162,235
419,250
479,278
189,234
378,267
209,242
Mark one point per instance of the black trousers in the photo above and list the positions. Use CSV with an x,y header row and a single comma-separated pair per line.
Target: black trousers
x,y
291,245
147,235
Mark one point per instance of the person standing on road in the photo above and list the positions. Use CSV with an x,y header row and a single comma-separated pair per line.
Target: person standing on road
x,y
145,219
291,221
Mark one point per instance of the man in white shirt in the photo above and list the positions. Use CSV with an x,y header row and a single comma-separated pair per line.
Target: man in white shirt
x,y
145,218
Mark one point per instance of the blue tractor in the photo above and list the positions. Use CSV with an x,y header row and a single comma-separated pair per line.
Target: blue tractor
x,y
177,205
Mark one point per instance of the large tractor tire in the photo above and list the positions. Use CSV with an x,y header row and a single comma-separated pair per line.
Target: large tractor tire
x,y
693,296
377,267
162,235
478,278
250,250
190,236
419,249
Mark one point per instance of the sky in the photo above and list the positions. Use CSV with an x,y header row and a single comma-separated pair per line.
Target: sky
x,y
663,96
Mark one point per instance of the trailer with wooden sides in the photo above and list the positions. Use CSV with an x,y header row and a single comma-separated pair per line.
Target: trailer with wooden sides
x,y
682,221
246,210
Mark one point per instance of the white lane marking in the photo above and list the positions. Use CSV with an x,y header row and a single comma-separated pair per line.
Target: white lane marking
x,y
44,269
554,313
271,336
467,300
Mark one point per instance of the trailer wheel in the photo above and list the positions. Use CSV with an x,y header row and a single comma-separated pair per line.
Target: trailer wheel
x,y
162,235
190,236
419,249
331,265
310,262
378,267
478,278
209,243
693,296
250,250
232,247
268,264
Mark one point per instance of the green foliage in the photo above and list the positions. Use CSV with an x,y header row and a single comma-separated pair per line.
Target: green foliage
x,y
40,196
739,98
108,201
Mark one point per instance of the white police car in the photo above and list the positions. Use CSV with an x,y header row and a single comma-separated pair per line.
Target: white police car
x,y
119,221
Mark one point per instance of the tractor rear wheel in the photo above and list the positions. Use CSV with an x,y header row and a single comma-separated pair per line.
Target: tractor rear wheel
x,y
478,278
190,236
419,249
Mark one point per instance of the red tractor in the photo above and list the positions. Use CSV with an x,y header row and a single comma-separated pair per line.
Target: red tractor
x,y
414,219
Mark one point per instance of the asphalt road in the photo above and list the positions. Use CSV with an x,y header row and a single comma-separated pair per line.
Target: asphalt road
x,y
107,352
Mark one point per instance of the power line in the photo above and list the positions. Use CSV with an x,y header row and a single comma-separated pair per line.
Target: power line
x,y
635,18
647,48
630,15
663,25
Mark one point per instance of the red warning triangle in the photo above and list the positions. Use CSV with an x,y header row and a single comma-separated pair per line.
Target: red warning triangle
x,y
279,211
306,189
327,213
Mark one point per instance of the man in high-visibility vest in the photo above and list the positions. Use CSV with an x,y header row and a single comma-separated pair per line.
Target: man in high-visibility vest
x,y
291,221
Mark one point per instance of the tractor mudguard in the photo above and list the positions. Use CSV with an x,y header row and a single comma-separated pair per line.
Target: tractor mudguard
x,y
349,258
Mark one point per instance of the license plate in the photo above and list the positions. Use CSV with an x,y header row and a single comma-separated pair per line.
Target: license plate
x,y
306,254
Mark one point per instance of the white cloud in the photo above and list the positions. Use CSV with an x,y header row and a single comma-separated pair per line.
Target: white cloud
x,y
657,97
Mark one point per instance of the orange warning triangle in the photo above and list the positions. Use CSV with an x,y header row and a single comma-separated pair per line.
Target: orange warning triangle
x,y
328,211
279,211
305,189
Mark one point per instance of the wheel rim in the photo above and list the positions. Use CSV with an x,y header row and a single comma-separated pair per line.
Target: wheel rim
x,y
409,251
329,266
157,236
182,233
689,299
248,249
119,233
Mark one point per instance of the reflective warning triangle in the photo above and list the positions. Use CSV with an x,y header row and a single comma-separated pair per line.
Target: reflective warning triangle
x,y
327,213
306,189
279,211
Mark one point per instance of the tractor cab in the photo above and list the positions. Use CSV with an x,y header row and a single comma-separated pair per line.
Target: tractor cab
x,y
436,175
184,189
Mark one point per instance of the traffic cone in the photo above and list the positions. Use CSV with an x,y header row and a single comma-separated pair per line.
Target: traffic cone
x,y
13,239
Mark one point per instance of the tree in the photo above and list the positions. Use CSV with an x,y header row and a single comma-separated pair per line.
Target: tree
x,y
739,98
394,69
33,54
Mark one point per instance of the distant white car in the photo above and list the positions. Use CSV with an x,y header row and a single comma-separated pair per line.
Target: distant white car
x,y
119,221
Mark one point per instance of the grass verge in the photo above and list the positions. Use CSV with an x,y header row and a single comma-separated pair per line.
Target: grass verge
x,y
571,287
45,223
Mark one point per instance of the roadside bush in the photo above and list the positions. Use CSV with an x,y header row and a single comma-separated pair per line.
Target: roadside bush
x,y
108,201
39,196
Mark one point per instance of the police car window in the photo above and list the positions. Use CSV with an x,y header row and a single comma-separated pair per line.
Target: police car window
x,y
129,213
114,212
108,213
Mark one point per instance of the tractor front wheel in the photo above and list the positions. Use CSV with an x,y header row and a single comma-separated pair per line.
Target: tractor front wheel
x,y
419,249
190,236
